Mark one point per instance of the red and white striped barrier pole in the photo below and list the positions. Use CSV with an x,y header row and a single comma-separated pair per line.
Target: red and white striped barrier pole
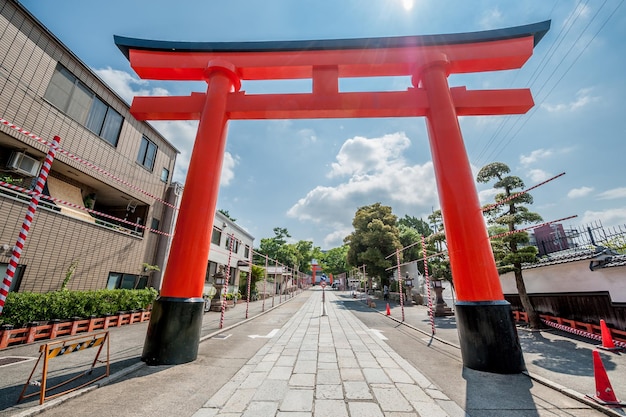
x,y
248,289
230,252
400,283
430,301
264,285
32,207
275,272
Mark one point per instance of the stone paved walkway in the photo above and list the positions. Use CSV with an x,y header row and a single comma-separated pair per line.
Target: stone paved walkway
x,y
329,365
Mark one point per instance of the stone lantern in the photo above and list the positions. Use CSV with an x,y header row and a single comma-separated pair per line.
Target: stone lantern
x,y
219,280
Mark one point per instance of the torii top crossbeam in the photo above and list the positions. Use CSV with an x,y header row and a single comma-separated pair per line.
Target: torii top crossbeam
x,y
325,61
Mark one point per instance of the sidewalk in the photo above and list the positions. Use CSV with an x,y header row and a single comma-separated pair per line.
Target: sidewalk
x,y
332,366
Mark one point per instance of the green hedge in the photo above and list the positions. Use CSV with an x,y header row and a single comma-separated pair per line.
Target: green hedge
x,y
25,307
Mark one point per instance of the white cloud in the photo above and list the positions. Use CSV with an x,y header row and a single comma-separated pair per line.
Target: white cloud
x,y
307,135
583,97
538,175
182,135
609,217
613,194
491,19
377,173
581,10
126,85
360,155
335,239
535,156
579,192
487,196
228,169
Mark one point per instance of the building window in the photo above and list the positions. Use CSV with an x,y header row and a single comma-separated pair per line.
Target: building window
x,y
210,271
154,224
17,276
165,174
216,236
246,252
126,281
235,244
75,99
147,153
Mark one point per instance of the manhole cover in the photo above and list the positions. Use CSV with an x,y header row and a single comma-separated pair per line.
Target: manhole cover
x,y
10,360
221,336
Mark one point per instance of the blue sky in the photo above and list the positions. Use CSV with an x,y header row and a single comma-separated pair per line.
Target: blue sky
x,y
310,176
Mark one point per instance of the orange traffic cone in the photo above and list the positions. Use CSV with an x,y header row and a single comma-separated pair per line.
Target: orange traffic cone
x,y
388,310
607,339
604,390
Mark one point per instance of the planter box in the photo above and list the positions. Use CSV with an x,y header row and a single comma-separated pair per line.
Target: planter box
x,y
58,328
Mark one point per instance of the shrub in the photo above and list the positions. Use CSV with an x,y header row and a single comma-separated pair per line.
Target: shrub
x,y
25,307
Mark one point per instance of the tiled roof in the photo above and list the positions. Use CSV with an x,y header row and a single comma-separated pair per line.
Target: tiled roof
x,y
598,253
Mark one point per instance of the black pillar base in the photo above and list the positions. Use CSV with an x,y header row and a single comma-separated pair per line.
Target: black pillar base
x,y
174,331
488,337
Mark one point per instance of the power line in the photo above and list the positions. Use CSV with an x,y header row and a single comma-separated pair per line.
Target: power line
x,y
504,144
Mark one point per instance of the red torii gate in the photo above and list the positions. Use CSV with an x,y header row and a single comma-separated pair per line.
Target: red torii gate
x,y
486,329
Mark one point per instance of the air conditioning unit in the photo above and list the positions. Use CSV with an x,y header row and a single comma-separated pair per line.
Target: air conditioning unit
x,y
24,164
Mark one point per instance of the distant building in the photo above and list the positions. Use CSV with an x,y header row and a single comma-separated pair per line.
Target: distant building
x,y
550,238
221,253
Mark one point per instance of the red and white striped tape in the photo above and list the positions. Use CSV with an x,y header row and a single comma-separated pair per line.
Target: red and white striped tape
x,y
430,301
28,219
82,161
581,332
76,206
530,227
511,197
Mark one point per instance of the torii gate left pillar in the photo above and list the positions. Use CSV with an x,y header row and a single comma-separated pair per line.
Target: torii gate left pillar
x,y
485,323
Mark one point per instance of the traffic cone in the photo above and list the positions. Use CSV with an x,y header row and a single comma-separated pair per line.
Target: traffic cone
x,y
607,339
604,391
388,310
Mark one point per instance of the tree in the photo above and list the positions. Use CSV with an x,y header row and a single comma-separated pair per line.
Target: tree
x,y
419,225
273,246
334,260
438,265
512,250
375,236
410,237
293,255
227,215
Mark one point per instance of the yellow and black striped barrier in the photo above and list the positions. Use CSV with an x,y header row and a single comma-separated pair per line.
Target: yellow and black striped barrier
x,y
62,348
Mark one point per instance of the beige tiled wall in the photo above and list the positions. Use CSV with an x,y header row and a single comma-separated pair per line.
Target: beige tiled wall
x,y
28,57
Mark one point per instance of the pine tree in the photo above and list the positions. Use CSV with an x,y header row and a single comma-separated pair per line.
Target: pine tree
x,y
512,250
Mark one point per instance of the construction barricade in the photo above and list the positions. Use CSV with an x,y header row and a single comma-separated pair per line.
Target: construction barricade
x,y
53,350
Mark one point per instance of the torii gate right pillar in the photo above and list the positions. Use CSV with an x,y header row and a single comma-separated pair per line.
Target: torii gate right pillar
x,y
487,332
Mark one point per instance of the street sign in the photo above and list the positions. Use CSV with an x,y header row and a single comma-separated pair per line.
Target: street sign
x,y
323,284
